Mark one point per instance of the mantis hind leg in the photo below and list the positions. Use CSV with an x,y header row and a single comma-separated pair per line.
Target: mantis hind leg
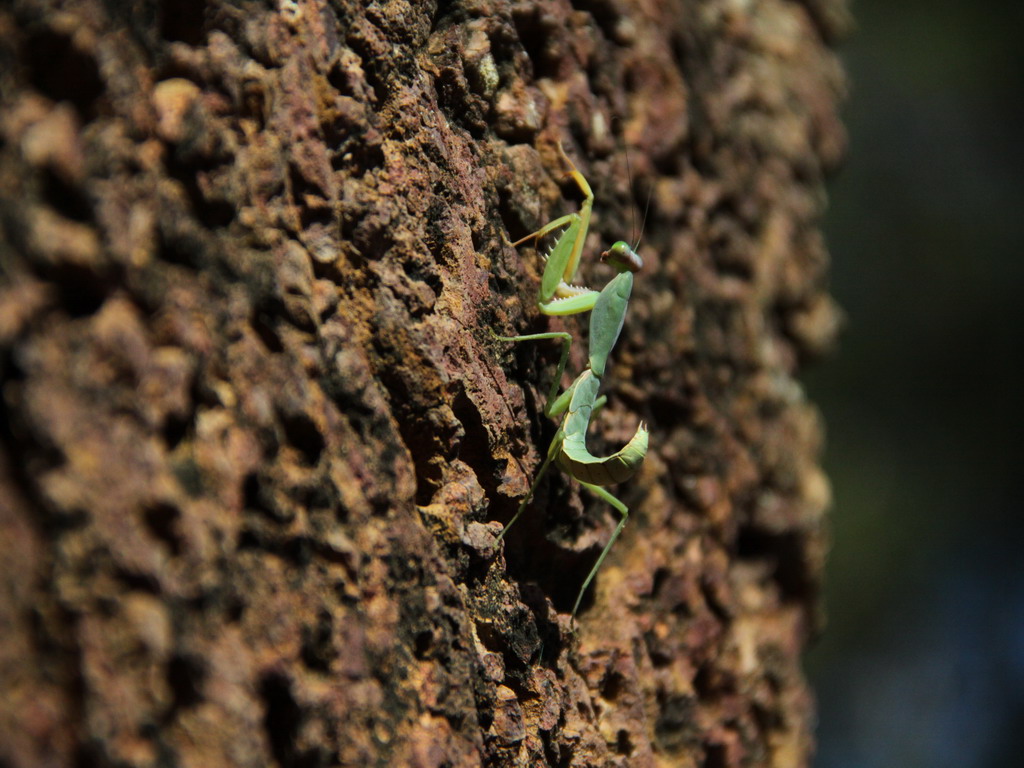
x,y
555,405
623,510
553,449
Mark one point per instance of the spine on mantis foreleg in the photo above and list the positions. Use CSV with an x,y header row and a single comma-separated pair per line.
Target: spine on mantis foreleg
x,y
574,457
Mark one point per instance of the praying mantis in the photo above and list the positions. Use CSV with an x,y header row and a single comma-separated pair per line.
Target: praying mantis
x,y
577,404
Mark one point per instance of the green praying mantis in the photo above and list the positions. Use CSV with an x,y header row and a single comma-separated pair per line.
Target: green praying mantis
x,y
577,404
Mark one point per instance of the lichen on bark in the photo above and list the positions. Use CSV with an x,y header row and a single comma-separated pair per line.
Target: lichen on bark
x,y
257,439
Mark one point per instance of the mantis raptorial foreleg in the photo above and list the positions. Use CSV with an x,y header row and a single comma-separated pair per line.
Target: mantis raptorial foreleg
x,y
558,296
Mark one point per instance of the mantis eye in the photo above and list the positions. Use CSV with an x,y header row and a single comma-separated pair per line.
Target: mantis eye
x,y
622,257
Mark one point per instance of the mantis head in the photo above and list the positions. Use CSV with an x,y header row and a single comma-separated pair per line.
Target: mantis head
x,y
622,258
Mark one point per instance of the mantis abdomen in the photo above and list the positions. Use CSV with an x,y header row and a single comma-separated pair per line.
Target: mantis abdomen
x,y
574,457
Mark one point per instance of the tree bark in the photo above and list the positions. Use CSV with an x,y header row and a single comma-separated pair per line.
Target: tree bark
x,y
258,440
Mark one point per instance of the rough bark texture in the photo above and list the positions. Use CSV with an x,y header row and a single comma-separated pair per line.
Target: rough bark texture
x,y
257,439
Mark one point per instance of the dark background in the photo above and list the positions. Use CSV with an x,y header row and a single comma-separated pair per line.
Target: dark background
x,y
922,661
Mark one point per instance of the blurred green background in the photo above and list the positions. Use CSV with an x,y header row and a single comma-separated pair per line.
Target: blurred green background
x,y
922,660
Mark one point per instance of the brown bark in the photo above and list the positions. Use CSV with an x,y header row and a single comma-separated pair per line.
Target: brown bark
x,y
257,440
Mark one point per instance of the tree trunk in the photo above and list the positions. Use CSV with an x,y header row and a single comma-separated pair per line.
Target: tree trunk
x,y
258,439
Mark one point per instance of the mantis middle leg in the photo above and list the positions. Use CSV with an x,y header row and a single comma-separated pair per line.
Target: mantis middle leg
x,y
551,408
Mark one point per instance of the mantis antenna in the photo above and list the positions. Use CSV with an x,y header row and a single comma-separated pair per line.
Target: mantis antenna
x,y
643,222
